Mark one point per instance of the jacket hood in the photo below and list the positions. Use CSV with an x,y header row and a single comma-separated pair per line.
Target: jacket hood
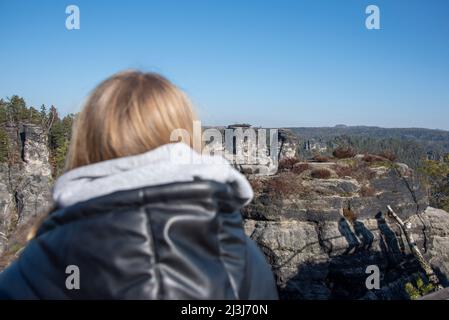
x,y
183,240
169,163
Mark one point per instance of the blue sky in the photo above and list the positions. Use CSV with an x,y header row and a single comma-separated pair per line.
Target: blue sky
x,y
266,62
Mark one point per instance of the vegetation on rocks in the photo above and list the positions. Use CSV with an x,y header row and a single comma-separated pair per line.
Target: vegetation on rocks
x,y
320,234
436,176
418,288
287,163
321,173
15,112
343,152
300,167
321,158
367,191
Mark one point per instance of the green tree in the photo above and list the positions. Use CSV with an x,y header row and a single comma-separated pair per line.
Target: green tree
x,y
3,107
16,109
59,157
43,112
4,145
436,176
59,138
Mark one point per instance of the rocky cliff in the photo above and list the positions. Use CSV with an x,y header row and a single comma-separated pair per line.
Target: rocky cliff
x,y
321,224
25,179
253,151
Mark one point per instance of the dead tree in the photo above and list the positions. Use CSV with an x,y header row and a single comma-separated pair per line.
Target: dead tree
x,y
52,117
415,250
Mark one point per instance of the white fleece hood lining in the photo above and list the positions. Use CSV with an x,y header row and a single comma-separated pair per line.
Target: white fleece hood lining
x,y
169,163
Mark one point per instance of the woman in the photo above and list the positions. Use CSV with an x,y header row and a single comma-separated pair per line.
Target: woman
x,y
131,221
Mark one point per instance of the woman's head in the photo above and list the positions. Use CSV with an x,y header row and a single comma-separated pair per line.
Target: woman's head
x,y
129,113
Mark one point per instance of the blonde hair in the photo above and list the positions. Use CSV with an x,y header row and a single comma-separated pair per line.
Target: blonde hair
x,y
129,113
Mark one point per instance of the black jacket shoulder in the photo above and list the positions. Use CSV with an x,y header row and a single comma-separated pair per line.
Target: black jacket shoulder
x,y
176,241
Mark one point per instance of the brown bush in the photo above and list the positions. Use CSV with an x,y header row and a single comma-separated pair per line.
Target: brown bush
x,y
321,173
257,185
388,154
321,158
18,240
279,184
367,191
287,163
349,215
300,168
370,158
360,171
343,152
284,185
343,171
363,172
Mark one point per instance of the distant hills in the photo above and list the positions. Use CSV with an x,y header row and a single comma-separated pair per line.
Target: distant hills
x,y
375,132
410,144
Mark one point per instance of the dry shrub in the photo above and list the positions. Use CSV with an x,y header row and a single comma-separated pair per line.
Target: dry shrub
x,y
321,158
349,215
300,168
18,240
257,185
388,154
321,173
367,191
370,158
284,185
363,172
360,171
287,163
343,153
343,171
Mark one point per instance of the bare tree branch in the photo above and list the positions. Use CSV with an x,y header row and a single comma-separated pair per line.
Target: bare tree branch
x,y
415,250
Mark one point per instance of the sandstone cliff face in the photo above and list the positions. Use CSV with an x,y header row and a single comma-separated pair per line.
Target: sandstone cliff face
x,y
288,144
258,157
25,179
321,237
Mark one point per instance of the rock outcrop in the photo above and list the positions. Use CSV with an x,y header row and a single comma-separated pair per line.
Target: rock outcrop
x,y
25,179
320,235
288,144
253,151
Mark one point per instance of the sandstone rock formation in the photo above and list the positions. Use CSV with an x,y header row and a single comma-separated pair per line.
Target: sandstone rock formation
x,y
320,237
288,144
25,179
254,151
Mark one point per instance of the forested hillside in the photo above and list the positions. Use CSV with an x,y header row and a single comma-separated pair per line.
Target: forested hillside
x,y
410,145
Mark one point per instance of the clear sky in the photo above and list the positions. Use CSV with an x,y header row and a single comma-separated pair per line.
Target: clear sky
x,y
265,62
